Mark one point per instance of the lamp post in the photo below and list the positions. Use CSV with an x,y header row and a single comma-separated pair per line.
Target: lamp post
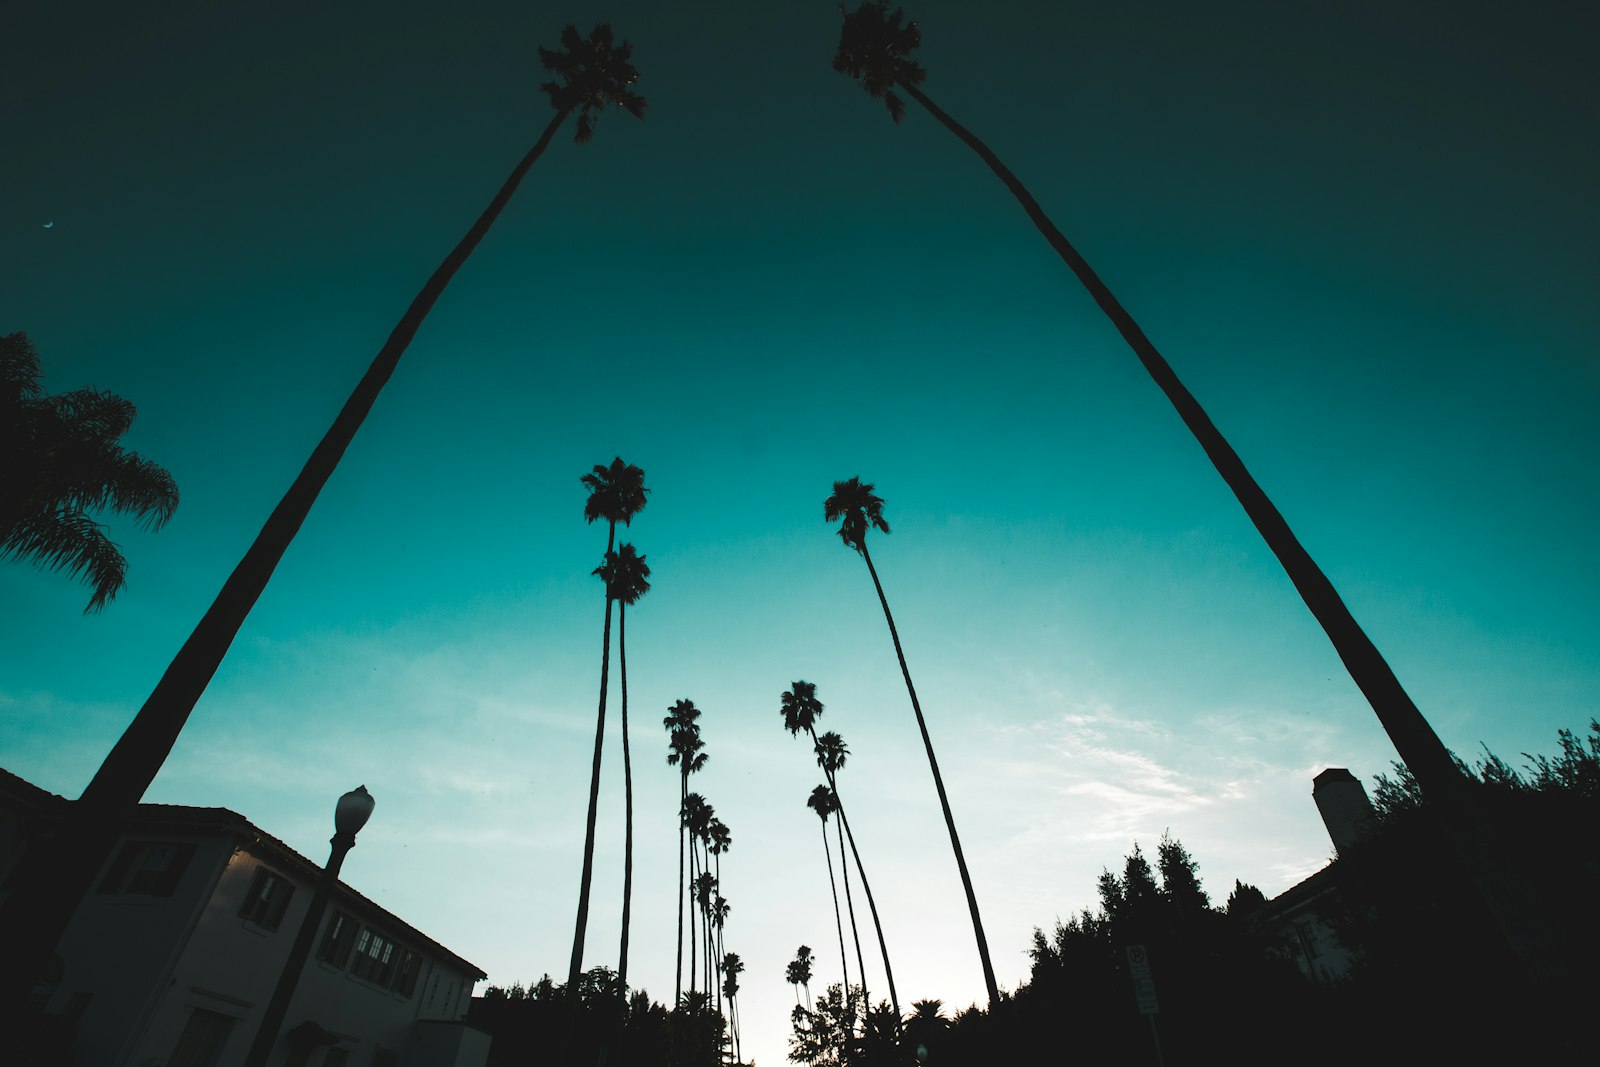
x,y
349,816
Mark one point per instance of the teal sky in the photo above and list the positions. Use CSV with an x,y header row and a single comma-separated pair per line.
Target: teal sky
x,y
1363,233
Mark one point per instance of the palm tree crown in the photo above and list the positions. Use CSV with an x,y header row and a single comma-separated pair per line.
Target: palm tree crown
x,y
594,74
855,507
874,48
832,753
62,461
616,493
800,707
823,802
626,574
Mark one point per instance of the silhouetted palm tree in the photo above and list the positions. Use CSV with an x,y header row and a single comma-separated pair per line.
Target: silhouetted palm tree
x,y
856,508
616,494
626,575
831,755
732,968
62,461
591,73
821,801
798,973
801,709
875,45
683,752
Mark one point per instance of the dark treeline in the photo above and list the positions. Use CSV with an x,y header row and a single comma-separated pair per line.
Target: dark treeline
x,y
534,1025
1429,979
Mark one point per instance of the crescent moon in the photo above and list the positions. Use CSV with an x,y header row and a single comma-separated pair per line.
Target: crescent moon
x,y
49,225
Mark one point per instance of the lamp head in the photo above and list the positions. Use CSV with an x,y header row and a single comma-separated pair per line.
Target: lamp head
x,y
353,811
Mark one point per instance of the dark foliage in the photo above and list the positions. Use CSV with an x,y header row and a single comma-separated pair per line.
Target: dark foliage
x,y
536,1025
1427,952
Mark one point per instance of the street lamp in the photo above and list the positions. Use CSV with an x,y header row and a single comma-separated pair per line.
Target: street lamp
x,y
349,816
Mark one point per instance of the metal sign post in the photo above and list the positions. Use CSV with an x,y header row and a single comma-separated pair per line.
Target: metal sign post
x,y
1144,993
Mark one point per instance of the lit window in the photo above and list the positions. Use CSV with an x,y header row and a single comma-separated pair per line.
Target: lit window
x,y
337,939
374,958
267,900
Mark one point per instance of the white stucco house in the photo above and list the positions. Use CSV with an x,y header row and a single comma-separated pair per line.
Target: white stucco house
x,y
172,958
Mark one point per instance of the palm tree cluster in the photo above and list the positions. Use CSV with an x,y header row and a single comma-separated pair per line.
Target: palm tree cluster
x,y
71,465
703,838
616,494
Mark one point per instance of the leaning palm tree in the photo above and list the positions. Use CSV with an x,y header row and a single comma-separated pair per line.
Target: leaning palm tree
x,y
856,508
627,578
801,709
591,73
822,802
62,462
832,753
683,752
616,494
875,46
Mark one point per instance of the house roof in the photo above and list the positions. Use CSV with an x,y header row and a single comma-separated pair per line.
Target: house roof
x,y
224,821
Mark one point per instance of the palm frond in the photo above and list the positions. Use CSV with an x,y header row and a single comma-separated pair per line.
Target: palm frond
x,y
69,541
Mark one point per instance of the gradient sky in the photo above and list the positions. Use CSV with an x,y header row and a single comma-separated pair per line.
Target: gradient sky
x,y
1364,234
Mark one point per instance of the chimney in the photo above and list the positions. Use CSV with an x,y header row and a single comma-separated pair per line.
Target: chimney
x,y
1342,801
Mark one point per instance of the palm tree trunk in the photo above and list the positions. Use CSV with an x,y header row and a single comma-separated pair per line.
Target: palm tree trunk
x,y
694,970
1477,839
54,877
850,906
1410,733
627,794
683,797
872,906
581,926
837,921
938,782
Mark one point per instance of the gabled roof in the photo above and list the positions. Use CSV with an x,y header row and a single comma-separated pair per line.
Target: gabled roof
x,y
157,818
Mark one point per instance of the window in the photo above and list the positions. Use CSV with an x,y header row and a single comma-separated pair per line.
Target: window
x,y
337,939
267,900
202,1040
374,959
147,868
405,975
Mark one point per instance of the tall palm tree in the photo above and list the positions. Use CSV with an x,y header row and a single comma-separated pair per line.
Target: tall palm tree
x,y
801,709
683,752
798,972
627,578
875,46
822,802
62,461
831,755
616,494
591,73
856,508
